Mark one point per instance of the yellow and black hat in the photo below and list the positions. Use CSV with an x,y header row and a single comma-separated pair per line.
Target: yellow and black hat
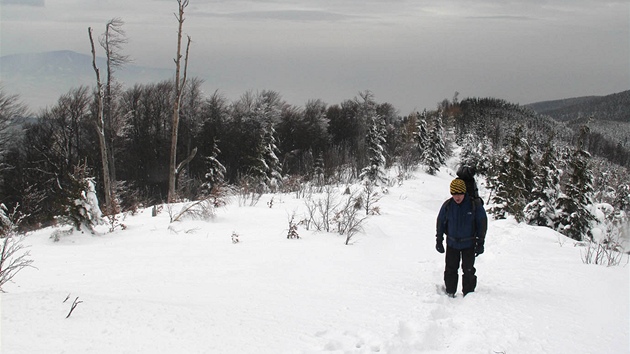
x,y
458,186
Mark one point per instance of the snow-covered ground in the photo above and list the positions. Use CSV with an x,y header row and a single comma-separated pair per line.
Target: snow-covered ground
x,y
185,287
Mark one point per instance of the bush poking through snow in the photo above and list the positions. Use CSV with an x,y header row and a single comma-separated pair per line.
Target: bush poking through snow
x,y
320,212
292,228
326,213
201,209
348,221
249,191
370,198
608,252
298,185
13,256
235,237
115,220
56,236
606,246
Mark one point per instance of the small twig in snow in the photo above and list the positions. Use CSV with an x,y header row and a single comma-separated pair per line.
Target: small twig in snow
x,y
74,305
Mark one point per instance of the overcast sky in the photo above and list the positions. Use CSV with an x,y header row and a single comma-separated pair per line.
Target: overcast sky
x,y
412,54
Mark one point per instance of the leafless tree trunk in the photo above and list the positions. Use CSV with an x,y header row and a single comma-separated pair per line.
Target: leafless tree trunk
x,y
100,130
179,89
112,41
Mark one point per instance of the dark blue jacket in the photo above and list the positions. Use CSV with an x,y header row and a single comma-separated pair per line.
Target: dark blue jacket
x,y
464,224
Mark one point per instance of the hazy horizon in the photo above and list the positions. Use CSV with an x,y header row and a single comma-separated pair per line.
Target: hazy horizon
x,y
409,53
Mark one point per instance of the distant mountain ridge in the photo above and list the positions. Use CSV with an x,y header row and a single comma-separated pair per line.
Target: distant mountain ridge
x,y
614,107
549,106
607,117
41,78
49,63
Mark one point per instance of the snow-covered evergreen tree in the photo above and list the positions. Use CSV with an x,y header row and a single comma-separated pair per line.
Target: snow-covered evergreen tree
x,y
530,170
511,185
486,151
470,154
541,210
435,155
271,156
81,203
375,141
476,152
622,197
258,171
621,207
574,215
421,134
495,184
266,168
215,171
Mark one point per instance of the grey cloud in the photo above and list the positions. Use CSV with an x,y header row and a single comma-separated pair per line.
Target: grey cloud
x,y
37,3
283,15
501,17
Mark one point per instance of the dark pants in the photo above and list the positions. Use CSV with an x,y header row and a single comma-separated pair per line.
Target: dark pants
x,y
469,279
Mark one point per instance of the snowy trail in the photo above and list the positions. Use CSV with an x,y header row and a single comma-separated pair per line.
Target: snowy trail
x,y
185,287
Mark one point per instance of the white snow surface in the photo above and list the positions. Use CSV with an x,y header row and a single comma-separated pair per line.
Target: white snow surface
x,y
185,287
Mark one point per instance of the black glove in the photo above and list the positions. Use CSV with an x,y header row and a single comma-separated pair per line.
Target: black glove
x,y
478,250
439,246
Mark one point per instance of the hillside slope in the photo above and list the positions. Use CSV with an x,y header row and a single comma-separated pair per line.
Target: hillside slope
x,y
160,287
614,107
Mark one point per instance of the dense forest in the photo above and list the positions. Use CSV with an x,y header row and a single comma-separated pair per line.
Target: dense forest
x,y
538,169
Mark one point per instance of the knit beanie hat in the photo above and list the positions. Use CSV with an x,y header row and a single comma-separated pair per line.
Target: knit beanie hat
x,y
458,186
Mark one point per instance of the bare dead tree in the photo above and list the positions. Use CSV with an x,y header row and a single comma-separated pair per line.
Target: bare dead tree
x,y
11,109
112,41
180,82
100,130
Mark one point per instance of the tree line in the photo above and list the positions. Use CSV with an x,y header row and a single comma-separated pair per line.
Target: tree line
x,y
259,141
259,136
